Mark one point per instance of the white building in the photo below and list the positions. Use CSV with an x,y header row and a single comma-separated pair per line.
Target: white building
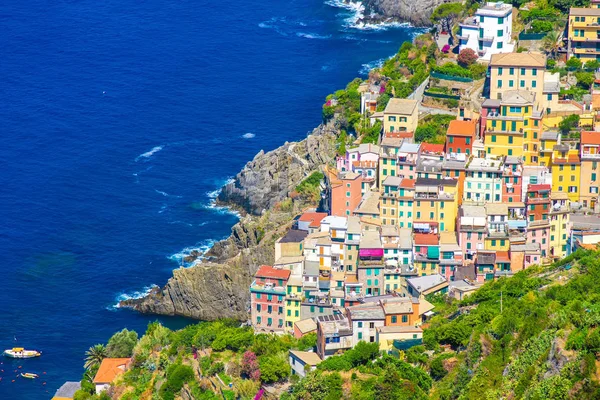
x,y
365,319
303,362
489,31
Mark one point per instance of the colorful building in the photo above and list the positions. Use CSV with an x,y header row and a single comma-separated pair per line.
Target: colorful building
x,y
590,156
583,34
267,293
566,171
401,115
460,137
525,71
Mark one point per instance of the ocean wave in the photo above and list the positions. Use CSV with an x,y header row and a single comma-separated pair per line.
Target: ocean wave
x,y
163,208
167,194
213,194
181,223
367,67
248,135
138,294
312,36
150,153
201,247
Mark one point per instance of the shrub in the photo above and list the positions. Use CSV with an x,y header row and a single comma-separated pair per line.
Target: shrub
x,y
121,344
574,63
273,369
177,376
467,57
568,123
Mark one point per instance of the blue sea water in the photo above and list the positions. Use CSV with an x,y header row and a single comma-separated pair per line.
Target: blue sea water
x,y
119,121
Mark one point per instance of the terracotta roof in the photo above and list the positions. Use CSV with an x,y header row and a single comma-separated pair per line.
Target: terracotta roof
x,y
432,148
110,368
502,256
314,218
571,159
267,271
538,187
590,137
365,164
518,60
462,128
427,239
407,183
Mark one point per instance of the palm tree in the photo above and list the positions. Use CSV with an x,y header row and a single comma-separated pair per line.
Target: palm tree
x,y
550,43
94,356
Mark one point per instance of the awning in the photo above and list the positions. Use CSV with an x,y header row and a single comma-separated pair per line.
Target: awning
x,y
517,224
433,252
429,313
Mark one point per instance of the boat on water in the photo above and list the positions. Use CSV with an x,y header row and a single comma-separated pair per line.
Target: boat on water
x,y
19,352
29,375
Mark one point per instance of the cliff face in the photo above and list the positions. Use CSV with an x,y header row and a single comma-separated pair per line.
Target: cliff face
x,y
270,177
218,287
415,12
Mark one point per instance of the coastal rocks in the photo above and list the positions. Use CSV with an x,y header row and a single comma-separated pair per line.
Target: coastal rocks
x,y
416,13
270,177
206,291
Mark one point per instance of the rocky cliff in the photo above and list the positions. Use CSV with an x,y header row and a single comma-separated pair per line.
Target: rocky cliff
x,y
415,12
218,286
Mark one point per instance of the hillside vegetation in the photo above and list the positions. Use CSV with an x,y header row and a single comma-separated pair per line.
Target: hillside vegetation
x,y
533,336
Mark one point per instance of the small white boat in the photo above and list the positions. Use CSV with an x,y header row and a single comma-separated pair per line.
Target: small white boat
x,y
19,352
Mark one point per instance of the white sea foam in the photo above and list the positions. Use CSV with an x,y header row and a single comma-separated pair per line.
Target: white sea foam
x,y
312,35
150,153
138,294
167,194
201,248
248,135
367,67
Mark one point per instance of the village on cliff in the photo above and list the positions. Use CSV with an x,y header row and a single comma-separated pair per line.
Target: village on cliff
x,y
514,184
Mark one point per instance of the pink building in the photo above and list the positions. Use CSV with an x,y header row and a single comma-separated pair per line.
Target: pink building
x,y
364,152
539,232
472,229
267,299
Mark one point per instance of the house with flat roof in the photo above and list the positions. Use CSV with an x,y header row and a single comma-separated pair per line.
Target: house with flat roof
x,y
489,31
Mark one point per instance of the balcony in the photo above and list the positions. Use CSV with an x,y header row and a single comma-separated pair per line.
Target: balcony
x,y
267,288
590,156
538,200
485,38
498,116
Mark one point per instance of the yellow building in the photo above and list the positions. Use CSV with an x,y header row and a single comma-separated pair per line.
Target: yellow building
x,y
406,196
388,202
559,223
566,171
388,157
401,115
293,299
517,71
590,170
513,126
436,203
549,140
584,33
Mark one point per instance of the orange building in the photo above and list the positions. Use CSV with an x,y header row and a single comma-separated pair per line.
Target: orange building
x,y
460,137
345,192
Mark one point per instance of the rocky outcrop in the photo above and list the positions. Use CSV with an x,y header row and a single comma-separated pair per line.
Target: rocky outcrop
x,y
270,177
415,12
217,287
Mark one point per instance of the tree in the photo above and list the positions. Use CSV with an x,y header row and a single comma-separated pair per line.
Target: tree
x,y
574,63
592,65
94,356
568,123
250,366
445,14
273,369
584,79
538,26
436,369
121,344
467,57
550,43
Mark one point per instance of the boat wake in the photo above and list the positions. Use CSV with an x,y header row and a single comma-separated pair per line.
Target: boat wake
x,y
248,135
149,154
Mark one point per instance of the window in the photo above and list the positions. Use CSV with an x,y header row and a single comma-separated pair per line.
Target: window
x,y
511,83
533,84
511,71
549,95
405,318
493,138
499,83
522,83
534,73
500,32
499,45
500,20
391,119
359,335
522,71
499,71
394,319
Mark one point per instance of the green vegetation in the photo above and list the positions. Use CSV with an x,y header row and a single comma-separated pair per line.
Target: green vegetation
x,y
432,129
398,77
309,187
121,344
568,123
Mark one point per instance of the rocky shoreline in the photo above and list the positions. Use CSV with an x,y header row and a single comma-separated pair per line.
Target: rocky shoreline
x,y
218,288
417,13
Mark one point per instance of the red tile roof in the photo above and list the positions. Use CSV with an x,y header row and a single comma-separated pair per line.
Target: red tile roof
x,y
426,239
590,137
432,148
572,159
110,368
407,183
314,218
462,128
538,187
502,256
267,271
